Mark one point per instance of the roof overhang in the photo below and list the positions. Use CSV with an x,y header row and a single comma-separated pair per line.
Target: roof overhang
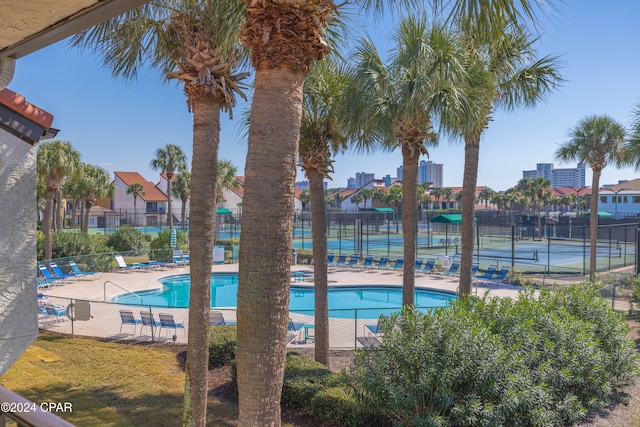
x,y
26,26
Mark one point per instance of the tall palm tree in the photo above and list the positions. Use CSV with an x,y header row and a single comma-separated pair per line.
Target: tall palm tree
x,y
504,73
321,134
95,183
357,199
182,190
169,159
285,37
437,192
485,195
447,194
136,189
56,160
402,98
196,44
226,179
597,141
395,198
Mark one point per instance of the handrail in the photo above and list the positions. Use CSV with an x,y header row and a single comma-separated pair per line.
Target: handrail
x,y
27,413
115,284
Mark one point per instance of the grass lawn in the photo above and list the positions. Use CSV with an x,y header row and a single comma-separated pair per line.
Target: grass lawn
x,y
108,383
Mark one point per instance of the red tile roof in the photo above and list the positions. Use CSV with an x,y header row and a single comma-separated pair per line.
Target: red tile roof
x,y
151,192
18,104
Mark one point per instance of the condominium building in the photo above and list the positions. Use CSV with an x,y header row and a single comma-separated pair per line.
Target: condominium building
x,y
563,177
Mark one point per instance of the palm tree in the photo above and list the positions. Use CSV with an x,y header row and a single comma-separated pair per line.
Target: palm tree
x,y
56,161
503,73
598,141
401,98
95,184
395,198
136,189
499,200
485,195
285,37
195,43
437,193
182,190
356,199
169,159
226,179
447,194
321,134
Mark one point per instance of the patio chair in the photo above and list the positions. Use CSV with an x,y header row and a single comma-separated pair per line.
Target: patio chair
x,y
419,262
488,274
383,264
295,328
453,270
55,312
48,277
148,321
331,258
399,263
474,269
59,273
368,262
216,318
501,276
76,270
126,318
167,321
429,266
353,261
122,265
377,329
342,260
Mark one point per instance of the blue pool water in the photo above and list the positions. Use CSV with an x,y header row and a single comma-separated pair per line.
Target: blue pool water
x,y
343,301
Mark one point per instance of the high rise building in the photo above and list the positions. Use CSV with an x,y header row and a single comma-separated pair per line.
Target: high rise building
x,y
351,183
565,177
362,178
400,172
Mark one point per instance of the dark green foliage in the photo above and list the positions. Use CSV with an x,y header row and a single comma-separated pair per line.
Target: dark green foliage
x,y
161,249
222,345
539,360
128,239
71,244
303,379
339,404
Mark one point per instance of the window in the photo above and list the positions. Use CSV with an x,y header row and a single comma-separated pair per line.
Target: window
x,y
603,199
624,199
152,207
635,199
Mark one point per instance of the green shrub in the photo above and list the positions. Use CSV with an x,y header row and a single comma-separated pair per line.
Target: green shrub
x,y
338,404
163,240
222,345
128,239
303,379
541,359
69,244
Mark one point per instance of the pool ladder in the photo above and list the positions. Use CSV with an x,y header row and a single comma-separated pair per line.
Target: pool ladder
x,y
118,286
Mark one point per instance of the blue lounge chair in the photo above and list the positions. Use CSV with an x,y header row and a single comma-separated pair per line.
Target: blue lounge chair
x,y
501,276
122,265
342,260
353,261
419,262
368,262
77,270
331,258
383,264
59,273
55,312
167,321
453,270
399,263
216,318
148,321
295,329
48,277
429,266
489,273
474,269
126,318
376,330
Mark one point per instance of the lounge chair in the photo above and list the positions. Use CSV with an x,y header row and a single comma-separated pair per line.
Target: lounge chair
x,y
377,329
353,261
399,263
59,273
383,264
126,318
167,321
148,321
488,274
474,269
419,262
122,265
501,276
295,328
453,270
55,312
216,318
77,270
331,258
368,262
342,260
429,266
48,277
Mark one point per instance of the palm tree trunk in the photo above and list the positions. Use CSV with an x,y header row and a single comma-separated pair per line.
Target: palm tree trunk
x,y
135,211
48,212
409,223
59,211
469,182
204,169
183,215
169,177
319,236
265,244
87,214
593,222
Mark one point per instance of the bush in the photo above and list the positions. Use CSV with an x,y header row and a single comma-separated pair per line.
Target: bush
x,y
303,379
539,360
71,244
338,404
222,345
128,239
163,240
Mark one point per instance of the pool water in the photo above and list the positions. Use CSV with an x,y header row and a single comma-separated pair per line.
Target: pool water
x,y
224,293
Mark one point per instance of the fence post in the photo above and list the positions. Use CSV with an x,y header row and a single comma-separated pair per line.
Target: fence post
x,y
355,330
152,324
513,245
584,249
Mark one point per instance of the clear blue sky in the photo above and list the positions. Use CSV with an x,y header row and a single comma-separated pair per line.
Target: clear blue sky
x,y
119,125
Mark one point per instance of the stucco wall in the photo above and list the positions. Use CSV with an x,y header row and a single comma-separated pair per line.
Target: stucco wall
x,y
18,304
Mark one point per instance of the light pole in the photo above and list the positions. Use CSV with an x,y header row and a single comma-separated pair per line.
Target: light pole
x,y
616,200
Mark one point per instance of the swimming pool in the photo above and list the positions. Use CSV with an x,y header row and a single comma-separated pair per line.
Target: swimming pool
x,y
343,300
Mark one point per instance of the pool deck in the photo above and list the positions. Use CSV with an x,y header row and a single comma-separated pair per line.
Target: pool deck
x,y
105,321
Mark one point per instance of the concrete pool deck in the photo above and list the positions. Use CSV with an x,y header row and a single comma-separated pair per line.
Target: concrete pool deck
x,y
105,321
